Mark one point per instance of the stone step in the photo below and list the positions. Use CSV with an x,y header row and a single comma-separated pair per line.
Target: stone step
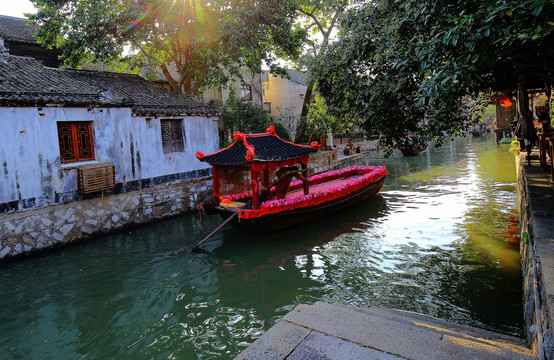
x,y
432,322
408,335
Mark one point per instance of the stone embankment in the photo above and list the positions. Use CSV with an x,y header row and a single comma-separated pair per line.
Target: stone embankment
x,y
37,229
536,209
32,230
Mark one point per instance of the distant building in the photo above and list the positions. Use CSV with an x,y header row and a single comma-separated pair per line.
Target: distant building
x,y
283,97
17,38
248,88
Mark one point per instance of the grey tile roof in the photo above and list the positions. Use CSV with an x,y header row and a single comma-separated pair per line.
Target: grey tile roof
x,y
266,148
16,29
25,82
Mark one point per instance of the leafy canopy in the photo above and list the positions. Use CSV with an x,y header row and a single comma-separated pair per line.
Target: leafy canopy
x,y
407,66
244,116
320,121
204,41
320,19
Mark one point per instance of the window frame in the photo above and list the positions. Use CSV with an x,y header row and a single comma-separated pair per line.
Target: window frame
x,y
246,92
172,145
76,141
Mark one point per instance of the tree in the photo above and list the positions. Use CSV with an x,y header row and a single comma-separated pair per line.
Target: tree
x,y
244,116
320,19
320,121
206,41
406,66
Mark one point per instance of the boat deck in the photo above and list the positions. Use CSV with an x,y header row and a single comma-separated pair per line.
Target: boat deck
x,y
322,187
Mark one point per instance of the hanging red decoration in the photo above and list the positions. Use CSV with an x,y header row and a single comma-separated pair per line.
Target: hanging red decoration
x,y
315,145
249,155
506,103
239,136
501,99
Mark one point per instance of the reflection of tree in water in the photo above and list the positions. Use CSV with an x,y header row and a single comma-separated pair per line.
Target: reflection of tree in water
x,y
441,282
475,280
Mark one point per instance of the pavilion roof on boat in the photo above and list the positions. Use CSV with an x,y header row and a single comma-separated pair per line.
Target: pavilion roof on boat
x,y
251,159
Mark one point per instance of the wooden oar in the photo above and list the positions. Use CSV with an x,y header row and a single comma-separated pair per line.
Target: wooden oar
x,y
213,232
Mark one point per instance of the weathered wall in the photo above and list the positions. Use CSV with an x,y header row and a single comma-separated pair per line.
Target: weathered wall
x,y
32,230
323,161
32,175
286,97
537,256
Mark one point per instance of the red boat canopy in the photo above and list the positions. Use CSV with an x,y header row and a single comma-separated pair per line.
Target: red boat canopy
x,y
250,148
263,153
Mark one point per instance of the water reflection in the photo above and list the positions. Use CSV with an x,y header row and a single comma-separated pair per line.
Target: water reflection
x,y
438,239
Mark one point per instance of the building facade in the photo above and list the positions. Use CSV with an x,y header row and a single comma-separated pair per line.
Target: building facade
x,y
57,123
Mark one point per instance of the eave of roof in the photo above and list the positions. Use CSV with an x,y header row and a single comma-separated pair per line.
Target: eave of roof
x,y
25,82
249,148
16,29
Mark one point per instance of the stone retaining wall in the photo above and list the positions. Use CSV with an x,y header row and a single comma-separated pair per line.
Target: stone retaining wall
x,y
32,230
537,256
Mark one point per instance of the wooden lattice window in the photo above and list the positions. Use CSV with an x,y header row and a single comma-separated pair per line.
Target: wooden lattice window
x,y
246,92
75,139
172,136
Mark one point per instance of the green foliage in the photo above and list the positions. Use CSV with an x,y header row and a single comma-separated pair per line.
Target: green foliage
x,y
490,113
320,121
514,146
281,130
244,116
405,66
551,101
320,20
205,41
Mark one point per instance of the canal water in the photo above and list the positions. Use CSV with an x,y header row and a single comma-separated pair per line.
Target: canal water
x,y
439,239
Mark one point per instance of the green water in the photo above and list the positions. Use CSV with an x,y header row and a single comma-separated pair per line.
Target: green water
x,y
438,239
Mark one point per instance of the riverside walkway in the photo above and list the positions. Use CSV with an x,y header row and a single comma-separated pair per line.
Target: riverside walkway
x,y
336,331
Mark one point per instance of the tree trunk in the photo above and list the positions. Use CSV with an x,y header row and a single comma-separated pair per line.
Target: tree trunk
x,y
301,126
170,79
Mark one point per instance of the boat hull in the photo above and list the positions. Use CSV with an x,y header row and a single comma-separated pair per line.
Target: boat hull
x,y
412,151
287,218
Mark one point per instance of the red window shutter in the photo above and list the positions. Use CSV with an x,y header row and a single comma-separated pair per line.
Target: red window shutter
x,y
75,139
66,140
84,141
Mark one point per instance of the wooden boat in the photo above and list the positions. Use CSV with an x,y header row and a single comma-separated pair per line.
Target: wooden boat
x,y
252,181
413,151
412,145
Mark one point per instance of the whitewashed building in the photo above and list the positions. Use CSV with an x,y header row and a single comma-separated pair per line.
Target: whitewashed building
x,y
57,122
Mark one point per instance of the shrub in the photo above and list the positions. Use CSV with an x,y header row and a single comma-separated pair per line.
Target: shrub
x,y
244,116
281,131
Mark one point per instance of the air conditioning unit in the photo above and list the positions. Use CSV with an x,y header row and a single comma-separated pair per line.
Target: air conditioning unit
x,y
95,177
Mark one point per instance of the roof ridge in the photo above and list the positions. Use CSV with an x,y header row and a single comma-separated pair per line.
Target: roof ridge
x,y
103,72
21,57
13,17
